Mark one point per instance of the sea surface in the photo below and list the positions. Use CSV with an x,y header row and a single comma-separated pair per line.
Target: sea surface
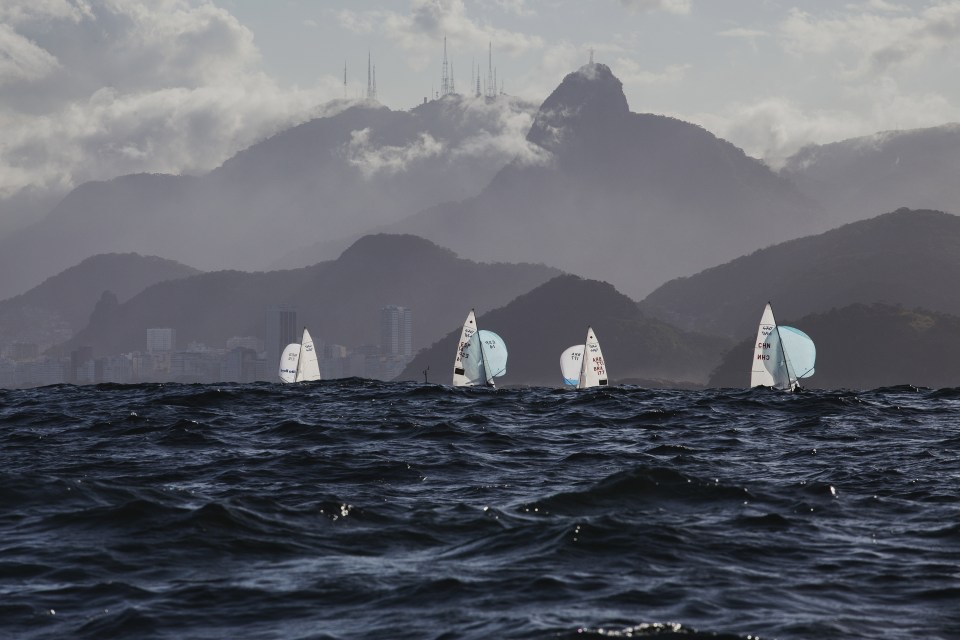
x,y
360,509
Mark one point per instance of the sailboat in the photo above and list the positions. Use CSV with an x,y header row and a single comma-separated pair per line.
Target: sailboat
x,y
481,356
782,355
582,364
298,363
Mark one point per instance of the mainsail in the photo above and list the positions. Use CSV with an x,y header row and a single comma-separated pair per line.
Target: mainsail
x,y
308,368
583,365
460,378
594,373
766,359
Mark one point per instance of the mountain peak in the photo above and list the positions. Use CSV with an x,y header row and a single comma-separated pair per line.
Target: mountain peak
x,y
591,94
387,248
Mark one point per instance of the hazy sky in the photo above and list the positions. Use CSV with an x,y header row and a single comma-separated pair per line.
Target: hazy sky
x,y
91,89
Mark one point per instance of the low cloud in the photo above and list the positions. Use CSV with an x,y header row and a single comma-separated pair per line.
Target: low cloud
x,y
21,59
775,128
503,134
89,91
372,158
864,55
742,32
420,31
496,135
670,6
875,37
17,12
516,7
632,74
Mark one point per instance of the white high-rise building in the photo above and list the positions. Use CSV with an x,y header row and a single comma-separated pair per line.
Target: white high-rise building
x,y
280,329
396,331
161,339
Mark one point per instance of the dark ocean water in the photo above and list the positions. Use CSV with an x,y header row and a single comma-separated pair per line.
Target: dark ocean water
x,y
358,509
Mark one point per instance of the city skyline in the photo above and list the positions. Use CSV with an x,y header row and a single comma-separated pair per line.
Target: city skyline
x,y
242,359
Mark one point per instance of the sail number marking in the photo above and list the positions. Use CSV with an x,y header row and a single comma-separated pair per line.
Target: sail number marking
x,y
598,365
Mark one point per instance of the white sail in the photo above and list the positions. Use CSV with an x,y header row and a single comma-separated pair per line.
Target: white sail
x,y
763,351
583,365
781,355
459,373
289,360
594,370
308,367
571,364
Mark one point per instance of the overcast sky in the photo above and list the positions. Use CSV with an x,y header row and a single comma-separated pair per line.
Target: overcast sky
x,y
91,89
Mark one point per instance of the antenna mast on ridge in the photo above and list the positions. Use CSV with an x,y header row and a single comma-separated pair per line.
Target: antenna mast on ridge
x,y
491,82
369,77
446,84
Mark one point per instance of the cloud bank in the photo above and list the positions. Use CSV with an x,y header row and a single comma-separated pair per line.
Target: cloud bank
x,y
863,61
92,90
417,31
670,6
494,132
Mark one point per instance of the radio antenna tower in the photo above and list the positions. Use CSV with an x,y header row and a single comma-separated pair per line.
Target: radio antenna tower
x,y
344,78
491,82
445,87
478,81
369,78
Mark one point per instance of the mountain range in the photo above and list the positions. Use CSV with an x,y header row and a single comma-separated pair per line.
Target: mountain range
x,y
632,199
864,347
540,312
854,179
334,176
580,183
905,257
539,325
339,300
55,310
473,193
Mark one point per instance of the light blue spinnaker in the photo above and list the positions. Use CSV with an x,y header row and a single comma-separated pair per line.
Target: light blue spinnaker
x,y
800,351
792,356
485,358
